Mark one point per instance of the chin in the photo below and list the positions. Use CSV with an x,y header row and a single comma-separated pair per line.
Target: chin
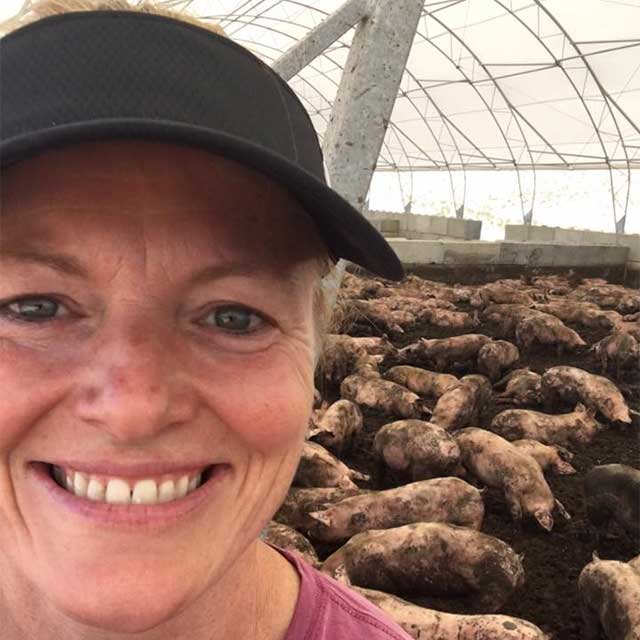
x,y
132,600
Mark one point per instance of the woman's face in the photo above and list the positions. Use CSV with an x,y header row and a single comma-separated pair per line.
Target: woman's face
x,y
155,319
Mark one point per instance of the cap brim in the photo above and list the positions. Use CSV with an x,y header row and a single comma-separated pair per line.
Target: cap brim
x,y
347,233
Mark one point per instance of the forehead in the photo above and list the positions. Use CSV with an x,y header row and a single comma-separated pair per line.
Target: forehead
x,y
158,195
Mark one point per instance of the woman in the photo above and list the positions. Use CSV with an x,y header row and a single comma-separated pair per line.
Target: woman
x,y
165,228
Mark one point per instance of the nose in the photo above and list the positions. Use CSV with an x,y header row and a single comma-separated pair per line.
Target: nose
x,y
132,387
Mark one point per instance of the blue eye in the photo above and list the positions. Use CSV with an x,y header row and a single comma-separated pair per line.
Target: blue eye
x,y
34,309
236,319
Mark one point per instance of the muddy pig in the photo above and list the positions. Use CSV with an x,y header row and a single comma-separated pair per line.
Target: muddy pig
x,y
523,387
299,502
497,463
495,357
546,329
554,458
420,449
462,405
343,356
430,558
444,352
573,429
287,538
386,396
319,468
425,383
621,349
570,384
451,319
426,624
448,500
612,493
610,600
337,426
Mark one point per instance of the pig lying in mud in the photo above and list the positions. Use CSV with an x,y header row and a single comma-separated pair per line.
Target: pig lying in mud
x,y
574,429
426,624
499,293
386,396
287,538
462,405
612,494
452,319
430,558
336,427
550,458
497,463
444,352
620,349
570,384
428,384
586,314
299,502
507,316
610,600
343,355
546,329
496,357
449,500
523,387
319,468
420,449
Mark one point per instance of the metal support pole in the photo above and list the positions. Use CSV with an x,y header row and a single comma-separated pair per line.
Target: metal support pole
x,y
367,94
322,37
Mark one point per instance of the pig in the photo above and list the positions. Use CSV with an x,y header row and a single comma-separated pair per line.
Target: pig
x,y
299,502
546,329
612,493
610,600
383,395
420,449
523,387
426,624
285,537
430,558
319,468
554,458
452,319
448,500
586,314
571,384
337,426
499,293
574,429
444,352
497,463
632,317
461,405
621,349
495,357
428,384
343,356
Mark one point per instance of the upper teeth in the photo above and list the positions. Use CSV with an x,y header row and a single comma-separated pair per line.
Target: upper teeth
x,y
119,491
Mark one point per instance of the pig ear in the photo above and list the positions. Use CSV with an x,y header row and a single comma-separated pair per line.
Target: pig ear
x,y
321,517
580,408
591,412
562,511
545,519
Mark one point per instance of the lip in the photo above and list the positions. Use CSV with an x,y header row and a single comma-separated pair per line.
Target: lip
x,y
138,470
129,516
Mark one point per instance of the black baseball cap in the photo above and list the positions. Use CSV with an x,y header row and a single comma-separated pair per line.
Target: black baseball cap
x,y
103,75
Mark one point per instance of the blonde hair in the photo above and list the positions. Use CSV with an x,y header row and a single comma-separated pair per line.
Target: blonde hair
x,y
34,10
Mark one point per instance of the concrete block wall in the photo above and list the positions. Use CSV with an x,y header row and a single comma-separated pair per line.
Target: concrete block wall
x,y
534,233
526,254
421,227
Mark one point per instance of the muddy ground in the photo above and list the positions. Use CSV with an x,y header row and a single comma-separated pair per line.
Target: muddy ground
x,y
553,560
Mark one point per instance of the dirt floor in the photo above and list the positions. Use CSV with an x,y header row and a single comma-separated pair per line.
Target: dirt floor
x,y
553,560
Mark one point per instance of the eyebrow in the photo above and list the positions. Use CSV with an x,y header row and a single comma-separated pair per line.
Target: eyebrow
x,y
58,262
71,266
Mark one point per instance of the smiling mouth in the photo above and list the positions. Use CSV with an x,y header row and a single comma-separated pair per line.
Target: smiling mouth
x,y
129,491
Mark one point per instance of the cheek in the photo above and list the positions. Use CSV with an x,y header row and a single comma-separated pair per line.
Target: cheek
x,y
267,402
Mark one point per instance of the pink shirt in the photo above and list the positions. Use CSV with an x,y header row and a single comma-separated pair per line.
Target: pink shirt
x,y
327,610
